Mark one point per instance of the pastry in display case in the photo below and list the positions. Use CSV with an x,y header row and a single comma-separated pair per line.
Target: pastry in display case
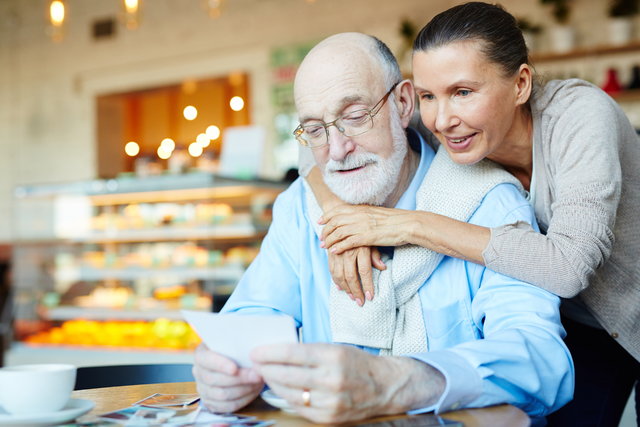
x,y
111,263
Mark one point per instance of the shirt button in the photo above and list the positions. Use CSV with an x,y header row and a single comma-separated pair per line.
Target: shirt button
x,y
614,335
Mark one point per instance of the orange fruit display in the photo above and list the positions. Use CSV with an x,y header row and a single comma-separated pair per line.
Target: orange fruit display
x,y
161,333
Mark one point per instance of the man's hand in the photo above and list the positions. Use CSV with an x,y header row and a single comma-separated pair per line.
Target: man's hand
x,y
222,385
345,383
353,265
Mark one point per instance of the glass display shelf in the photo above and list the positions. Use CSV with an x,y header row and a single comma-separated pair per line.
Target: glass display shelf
x,y
132,249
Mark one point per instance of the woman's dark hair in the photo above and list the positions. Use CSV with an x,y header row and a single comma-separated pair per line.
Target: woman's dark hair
x,y
501,41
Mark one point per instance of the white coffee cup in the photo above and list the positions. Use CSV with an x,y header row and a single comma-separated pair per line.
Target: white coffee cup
x,y
36,389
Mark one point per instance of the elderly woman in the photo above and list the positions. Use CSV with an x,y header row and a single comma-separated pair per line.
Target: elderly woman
x,y
571,147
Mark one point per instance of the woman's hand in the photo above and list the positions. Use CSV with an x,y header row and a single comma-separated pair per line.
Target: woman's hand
x,y
347,227
347,266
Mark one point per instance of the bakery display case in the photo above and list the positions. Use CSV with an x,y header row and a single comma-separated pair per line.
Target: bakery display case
x,y
109,263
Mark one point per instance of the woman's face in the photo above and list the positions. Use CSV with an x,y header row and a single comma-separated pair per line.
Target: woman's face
x,y
465,100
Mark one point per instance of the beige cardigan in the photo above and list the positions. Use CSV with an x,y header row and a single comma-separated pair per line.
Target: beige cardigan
x,y
587,166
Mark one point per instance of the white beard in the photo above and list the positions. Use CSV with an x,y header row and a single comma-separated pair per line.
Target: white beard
x,y
374,184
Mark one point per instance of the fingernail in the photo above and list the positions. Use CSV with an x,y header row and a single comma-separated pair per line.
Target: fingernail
x,y
333,250
367,295
359,302
320,220
338,287
253,377
322,245
352,298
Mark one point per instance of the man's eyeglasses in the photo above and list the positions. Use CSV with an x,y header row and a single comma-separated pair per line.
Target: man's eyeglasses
x,y
351,124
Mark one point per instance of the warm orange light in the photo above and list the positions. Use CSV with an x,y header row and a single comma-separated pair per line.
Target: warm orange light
x,y
168,145
195,149
203,140
131,148
213,132
57,12
236,103
190,112
161,333
131,6
163,154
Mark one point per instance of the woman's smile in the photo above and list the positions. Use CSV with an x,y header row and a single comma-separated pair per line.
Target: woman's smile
x,y
458,143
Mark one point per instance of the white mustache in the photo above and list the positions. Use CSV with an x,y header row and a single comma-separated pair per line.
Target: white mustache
x,y
352,161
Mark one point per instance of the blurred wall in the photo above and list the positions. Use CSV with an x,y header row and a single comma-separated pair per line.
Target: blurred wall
x,y
47,90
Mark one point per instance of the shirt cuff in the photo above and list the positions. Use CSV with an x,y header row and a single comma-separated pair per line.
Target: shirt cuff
x,y
463,383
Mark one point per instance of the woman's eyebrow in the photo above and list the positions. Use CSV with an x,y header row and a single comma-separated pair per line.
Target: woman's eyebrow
x,y
457,83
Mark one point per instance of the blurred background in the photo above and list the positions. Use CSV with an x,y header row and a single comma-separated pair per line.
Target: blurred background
x,y
144,142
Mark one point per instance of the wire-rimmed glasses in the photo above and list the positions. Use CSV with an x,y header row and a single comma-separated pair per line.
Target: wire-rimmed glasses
x,y
353,123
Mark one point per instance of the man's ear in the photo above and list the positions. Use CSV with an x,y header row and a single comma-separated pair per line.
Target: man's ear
x,y
405,99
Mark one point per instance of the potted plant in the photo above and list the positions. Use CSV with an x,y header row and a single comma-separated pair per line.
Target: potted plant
x,y
621,13
562,35
530,32
408,32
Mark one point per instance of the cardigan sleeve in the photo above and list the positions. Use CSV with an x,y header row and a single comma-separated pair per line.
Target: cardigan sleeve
x,y
580,146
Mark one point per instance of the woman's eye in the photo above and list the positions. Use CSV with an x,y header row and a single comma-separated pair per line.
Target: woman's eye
x,y
464,92
428,97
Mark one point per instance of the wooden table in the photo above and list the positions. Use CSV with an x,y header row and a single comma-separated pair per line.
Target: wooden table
x,y
113,398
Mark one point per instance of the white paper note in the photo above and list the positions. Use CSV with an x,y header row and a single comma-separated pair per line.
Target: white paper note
x,y
242,150
235,335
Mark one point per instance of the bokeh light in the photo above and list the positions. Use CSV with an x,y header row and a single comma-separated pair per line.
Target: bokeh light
x,y
131,6
195,149
131,148
236,103
163,154
213,132
190,112
57,12
203,140
168,145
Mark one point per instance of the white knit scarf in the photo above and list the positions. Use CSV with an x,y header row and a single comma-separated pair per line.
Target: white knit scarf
x,y
393,320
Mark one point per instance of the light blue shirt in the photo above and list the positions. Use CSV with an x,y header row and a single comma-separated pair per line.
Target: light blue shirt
x,y
495,339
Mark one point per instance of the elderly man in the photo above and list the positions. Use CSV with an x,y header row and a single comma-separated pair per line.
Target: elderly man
x,y
455,333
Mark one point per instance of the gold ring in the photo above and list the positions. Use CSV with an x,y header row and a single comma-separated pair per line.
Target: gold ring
x,y
306,397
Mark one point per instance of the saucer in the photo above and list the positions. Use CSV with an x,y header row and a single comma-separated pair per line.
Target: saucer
x,y
274,400
73,409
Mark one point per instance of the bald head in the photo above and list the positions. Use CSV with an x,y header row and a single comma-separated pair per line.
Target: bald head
x,y
344,56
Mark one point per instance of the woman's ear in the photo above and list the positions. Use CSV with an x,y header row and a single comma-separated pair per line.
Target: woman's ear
x,y
405,99
524,83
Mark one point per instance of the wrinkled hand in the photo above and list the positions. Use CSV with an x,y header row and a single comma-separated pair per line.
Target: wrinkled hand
x,y
347,266
345,383
222,385
347,227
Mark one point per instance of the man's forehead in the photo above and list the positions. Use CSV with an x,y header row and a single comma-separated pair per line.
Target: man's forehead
x,y
329,88
314,102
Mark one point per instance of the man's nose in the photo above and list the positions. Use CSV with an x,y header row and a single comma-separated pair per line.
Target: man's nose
x,y
339,145
446,118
